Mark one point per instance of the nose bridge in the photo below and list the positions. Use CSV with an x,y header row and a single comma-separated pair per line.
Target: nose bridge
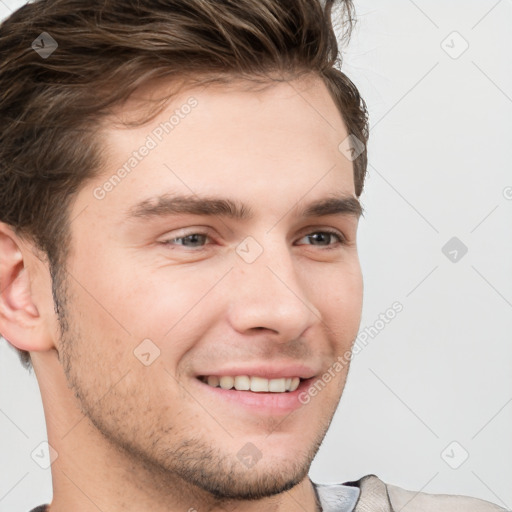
x,y
266,291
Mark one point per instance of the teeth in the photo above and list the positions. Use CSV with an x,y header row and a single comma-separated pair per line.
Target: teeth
x,y
227,382
213,380
295,383
256,384
259,384
242,383
277,385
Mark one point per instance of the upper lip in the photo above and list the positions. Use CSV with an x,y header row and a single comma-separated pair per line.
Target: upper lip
x,y
265,371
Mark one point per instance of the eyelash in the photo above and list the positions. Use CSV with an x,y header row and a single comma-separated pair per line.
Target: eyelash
x,y
341,239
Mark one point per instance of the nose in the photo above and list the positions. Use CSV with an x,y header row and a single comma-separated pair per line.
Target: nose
x,y
269,294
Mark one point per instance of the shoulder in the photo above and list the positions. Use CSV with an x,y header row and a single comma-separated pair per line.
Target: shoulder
x,y
410,501
413,501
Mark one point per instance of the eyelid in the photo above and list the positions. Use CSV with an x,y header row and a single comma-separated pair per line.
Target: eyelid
x,y
184,232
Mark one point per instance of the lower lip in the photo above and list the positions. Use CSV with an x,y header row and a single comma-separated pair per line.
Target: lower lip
x,y
259,402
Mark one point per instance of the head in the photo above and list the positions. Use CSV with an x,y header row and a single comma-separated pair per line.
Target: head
x,y
238,101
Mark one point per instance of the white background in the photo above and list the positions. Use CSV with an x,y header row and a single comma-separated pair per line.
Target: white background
x,y
440,164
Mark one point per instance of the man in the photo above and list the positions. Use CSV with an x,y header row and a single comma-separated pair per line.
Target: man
x,y
178,257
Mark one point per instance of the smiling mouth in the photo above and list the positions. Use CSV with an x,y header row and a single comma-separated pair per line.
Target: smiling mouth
x,y
251,383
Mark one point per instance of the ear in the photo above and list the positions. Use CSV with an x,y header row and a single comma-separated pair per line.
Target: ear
x,y
21,296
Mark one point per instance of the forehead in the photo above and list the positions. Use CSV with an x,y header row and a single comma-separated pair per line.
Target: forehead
x,y
276,141
214,112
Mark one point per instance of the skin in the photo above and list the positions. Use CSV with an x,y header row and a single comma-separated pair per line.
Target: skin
x,y
133,437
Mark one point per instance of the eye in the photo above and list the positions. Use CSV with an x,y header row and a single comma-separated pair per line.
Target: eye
x,y
190,240
324,237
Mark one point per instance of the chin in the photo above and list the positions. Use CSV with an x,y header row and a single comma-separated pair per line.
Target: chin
x,y
254,484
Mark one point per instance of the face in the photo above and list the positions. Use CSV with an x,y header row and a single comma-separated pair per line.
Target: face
x,y
205,258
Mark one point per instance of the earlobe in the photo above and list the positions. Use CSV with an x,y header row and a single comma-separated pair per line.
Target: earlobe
x,y
20,320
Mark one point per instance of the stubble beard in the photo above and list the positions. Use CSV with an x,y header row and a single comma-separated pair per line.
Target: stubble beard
x,y
192,464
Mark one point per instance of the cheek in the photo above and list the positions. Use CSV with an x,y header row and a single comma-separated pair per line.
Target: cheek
x,y
172,304
338,295
139,300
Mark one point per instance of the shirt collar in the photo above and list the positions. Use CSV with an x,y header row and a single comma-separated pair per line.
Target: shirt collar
x,y
336,497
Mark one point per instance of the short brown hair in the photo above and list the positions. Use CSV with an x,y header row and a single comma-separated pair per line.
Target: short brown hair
x,y
51,105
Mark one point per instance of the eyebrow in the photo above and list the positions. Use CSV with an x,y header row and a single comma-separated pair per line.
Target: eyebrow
x,y
168,204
